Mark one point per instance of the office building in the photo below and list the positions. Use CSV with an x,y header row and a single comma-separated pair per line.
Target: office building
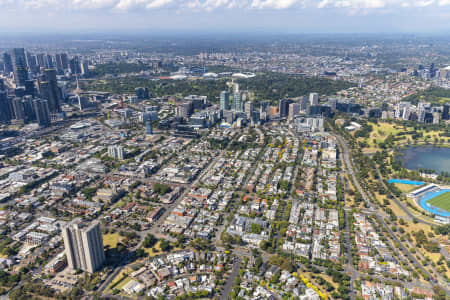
x,y
84,68
49,62
332,102
20,67
303,101
62,63
48,88
42,112
30,88
84,246
436,117
248,109
116,152
7,63
18,109
41,60
142,93
264,106
74,64
445,112
313,99
283,107
224,100
32,63
148,116
237,102
184,110
5,111
294,110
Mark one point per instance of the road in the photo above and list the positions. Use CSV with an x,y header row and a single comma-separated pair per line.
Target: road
x,y
230,281
351,168
155,227
349,269
399,203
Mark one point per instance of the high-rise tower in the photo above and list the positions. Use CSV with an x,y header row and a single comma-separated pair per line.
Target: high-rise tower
x,y
84,246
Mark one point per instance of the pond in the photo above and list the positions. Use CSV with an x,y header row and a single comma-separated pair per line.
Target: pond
x,y
426,157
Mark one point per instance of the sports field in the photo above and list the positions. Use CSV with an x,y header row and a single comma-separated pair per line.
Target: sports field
x,y
441,201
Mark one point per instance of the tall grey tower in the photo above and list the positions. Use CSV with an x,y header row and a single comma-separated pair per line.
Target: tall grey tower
x,y
84,246
225,100
48,88
20,66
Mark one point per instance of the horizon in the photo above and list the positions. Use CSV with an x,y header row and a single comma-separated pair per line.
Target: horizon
x,y
215,16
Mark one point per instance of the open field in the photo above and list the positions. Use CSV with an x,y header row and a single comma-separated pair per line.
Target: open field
x,y
158,251
442,201
150,251
444,100
382,130
406,188
111,240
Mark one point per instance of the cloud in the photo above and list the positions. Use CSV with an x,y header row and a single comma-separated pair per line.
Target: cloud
x,y
92,4
212,5
379,4
273,4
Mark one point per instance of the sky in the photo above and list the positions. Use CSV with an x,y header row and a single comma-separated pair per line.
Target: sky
x,y
275,16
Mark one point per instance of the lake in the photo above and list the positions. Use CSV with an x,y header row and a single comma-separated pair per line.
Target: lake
x,y
426,157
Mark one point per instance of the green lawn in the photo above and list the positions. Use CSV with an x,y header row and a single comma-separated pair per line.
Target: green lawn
x,y
111,240
442,201
406,188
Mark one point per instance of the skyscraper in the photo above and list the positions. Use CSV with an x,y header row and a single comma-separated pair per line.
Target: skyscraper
x,y
313,99
445,112
62,63
30,88
224,100
42,112
237,101
248,108
49,62
116,152
5,112
41,60
18,109
303,101
283,107
48,88
294,110
84,68
32,63
20,67
7,63
84,246
75,65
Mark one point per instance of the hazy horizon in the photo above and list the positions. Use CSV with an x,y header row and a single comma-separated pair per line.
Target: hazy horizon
x,y
225,16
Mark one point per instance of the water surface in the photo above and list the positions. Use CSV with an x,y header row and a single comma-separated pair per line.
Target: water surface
x,y
426,157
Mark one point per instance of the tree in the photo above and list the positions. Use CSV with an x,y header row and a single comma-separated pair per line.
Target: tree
x,y
165,245
149,241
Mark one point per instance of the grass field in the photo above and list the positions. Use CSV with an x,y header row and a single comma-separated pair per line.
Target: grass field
x,y
406,188
111,240
442,201
158,250
383,129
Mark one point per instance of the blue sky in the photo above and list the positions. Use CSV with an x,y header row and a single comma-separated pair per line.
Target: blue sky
x,y
290,16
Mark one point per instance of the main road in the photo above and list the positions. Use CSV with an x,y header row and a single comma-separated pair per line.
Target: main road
x,y
351,168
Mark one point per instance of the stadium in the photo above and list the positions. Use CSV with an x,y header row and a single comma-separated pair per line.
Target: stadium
x,y
434,199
